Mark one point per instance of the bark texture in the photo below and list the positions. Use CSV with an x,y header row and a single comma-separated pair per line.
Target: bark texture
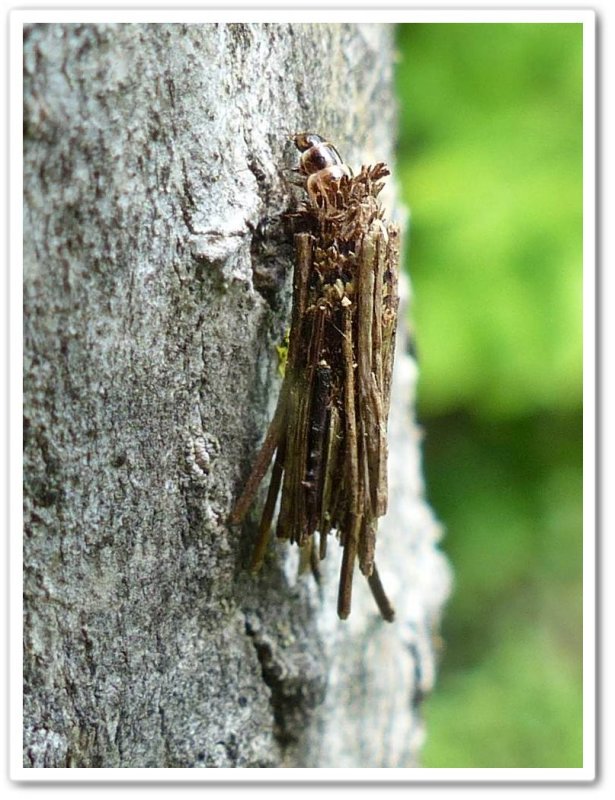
x,y
157,278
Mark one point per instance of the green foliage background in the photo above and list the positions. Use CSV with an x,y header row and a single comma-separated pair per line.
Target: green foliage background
x,y
490,160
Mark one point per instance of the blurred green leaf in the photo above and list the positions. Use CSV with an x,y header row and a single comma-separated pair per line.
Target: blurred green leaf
x,y
516,714
491,168
490,161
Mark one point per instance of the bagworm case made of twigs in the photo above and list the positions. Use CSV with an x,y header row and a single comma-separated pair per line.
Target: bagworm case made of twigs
x,y
327,438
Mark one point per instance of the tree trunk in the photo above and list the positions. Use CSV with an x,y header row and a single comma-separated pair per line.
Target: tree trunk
x,y
157,276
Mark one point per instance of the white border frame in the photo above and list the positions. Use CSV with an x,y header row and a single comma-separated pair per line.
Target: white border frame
x,y
276,13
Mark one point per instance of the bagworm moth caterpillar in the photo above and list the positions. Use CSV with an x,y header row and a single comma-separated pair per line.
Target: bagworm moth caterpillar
x,y
328,433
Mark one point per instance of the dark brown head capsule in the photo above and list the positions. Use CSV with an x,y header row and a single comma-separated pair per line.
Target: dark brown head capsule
x,y
322,165
316,153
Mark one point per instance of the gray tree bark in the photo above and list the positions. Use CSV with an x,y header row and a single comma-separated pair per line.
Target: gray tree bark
x,y
156,283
